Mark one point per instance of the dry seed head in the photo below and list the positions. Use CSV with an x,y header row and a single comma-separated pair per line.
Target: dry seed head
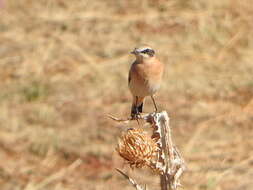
x,y
137,148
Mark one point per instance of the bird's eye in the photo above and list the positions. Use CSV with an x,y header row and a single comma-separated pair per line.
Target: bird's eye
x,y
150,52
145,51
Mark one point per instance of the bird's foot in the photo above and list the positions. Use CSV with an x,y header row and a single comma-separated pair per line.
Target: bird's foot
x,y
135,116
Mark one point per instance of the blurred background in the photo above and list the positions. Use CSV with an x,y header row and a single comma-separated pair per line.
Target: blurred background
x,y
64,67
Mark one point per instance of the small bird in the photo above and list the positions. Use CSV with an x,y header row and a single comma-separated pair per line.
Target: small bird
x,y
144,78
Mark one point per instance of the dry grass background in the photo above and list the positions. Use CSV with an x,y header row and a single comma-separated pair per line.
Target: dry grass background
x,y
63,67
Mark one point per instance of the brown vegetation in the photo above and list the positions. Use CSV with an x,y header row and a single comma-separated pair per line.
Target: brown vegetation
x,y
64,67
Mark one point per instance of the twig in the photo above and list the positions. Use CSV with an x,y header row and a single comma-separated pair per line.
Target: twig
x,y
120,120
133,182
143,116
169,162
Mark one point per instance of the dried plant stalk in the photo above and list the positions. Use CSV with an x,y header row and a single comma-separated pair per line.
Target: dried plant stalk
x,y
158,151
170,163
133,182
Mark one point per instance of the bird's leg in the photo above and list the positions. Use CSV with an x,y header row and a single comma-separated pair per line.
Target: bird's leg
x,y
137,111
154,103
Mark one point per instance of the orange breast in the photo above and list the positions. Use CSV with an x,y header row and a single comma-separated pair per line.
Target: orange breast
x,y
146,77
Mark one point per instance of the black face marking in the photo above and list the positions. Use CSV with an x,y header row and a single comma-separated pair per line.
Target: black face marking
x,y
150,52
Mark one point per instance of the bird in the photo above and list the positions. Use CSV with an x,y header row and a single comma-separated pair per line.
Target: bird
x,y
144,79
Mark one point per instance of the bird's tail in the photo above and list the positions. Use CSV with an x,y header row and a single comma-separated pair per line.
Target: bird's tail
x,y
137,106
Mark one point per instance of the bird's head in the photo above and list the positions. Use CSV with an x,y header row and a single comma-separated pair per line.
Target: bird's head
x,y
143,52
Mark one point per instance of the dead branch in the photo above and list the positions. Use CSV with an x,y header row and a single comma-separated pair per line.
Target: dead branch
x,y
133,182
168,163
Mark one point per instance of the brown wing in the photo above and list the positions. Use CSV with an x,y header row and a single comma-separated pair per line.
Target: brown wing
x,y
129,74
129,78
